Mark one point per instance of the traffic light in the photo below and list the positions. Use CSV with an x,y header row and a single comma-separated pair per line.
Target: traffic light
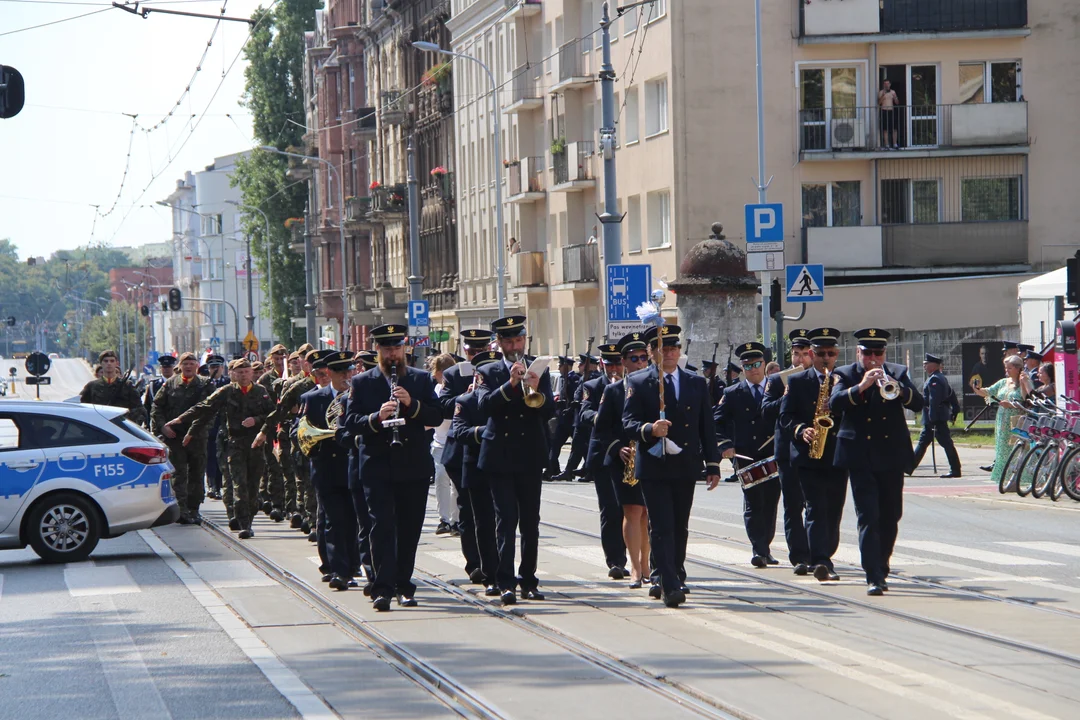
x,y
1072,281
10,321
12,92
775,295
145,310
174,299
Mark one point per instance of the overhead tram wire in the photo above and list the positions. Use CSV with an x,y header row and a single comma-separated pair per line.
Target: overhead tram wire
x,y
127,166
56,22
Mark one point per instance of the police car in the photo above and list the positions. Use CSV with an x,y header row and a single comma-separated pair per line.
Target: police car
x,y
73,474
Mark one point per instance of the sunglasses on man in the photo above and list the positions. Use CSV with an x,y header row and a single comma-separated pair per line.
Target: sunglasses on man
x,y
872,352
753,365
637,358
826,353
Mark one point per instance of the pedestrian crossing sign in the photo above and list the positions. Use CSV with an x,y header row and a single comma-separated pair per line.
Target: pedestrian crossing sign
x,y
805,283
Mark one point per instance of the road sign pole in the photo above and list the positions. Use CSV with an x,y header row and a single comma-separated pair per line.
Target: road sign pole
x,y
762,185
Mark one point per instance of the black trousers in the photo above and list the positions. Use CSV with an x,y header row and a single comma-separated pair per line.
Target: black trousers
x,y
760,504
611,519
484,522
794,504
396,508
669,502
579,446
879,504
563,430
337,517
466,523
363,521
825,490
940,431
517,505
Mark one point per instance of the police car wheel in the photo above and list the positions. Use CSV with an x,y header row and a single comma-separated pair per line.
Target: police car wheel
x,y
63,528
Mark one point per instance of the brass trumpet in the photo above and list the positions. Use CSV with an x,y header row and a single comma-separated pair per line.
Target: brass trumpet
x,y
889,388
533,398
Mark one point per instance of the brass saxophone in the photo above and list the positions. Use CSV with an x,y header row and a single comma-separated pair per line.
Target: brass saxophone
x,y
628,468
823,422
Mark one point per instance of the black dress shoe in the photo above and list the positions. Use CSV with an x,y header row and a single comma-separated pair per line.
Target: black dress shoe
x,y
884,585
246,534
874,589
491,591
508,597
327,577
234,524
312,537
443,528
684,590
476,577
952,475
731,478
563,476
367,590
381,603
821,572
674,599
532,594
296,521
616,573
352,583
801,569
276,515
635,584
771,560
305,527
758,561
267,506
406,601
339,583
987,468
655,592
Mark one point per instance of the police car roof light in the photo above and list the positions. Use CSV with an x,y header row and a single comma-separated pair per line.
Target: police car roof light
x,y
147,455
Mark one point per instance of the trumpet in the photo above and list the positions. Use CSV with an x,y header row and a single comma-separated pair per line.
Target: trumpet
x,y
396,421
889,388
533,398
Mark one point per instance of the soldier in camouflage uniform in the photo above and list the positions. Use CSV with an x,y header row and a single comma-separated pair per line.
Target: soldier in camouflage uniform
x,y
246,406
272,484
215,459
179,394
111,389
293,502
283,415
168,369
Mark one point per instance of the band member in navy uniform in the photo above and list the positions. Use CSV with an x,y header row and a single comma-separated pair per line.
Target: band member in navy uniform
x,y
611,515
824,486
667,482
790,488
745,426
940,407
568,381
395,465
457,379
466,430
874,445
330,472
1032,361
579,444
516,405
610,450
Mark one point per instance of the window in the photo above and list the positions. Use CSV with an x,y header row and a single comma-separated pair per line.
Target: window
x,y
633,224
9,434
214,268
656,107
217,313
49,432
990,199
659,10
659,208
630,117
836,204
910,201
1001,77
825,95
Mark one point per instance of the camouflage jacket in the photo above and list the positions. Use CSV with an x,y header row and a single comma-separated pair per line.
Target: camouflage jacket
x,y
175,398
118,393
237,406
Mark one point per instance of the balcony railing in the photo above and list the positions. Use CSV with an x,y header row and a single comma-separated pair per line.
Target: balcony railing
x,y
392,111
913,127
865,17
390,198
574,163
580,263
572,58
365,122
526,85
919,246
527,269
527,176
357,209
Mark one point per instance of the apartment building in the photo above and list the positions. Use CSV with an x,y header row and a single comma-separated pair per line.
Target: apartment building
x,y
369,94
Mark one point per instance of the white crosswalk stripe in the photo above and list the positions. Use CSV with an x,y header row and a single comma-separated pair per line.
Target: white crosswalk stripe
x,y
1047,547
983,556
97,580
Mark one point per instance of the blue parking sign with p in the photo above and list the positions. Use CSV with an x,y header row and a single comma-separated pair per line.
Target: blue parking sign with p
x,y
765,223
418,313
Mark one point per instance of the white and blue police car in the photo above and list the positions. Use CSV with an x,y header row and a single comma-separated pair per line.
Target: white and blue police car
x,y
71,475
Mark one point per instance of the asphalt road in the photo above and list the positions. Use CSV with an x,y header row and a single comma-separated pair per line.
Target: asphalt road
x,y
68,376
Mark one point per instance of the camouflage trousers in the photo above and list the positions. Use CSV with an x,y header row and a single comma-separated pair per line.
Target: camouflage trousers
x,y
271,484
288,472
245,468
190,467
226,474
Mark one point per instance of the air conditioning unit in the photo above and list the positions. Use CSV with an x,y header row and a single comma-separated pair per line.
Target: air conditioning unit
x,y
848,133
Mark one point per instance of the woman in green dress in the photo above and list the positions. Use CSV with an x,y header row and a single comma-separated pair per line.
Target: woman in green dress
x,y
1008,392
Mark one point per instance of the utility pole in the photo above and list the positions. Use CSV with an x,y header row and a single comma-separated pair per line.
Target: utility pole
x,y
762,184
309,306
611,221
416,280
250,298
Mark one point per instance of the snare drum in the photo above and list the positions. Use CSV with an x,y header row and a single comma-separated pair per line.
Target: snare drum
x,y
759,472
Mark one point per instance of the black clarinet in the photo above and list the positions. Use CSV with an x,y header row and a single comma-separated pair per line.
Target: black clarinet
x,y
395,422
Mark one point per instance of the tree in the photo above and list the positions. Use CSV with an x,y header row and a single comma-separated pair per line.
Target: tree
x,y
274,93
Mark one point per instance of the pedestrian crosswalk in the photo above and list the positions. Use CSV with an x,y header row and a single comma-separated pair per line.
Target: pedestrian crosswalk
x,y
1053,548
89,580
984,556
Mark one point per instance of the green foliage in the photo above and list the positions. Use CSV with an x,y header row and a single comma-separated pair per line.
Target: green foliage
x,y
102,332
274,94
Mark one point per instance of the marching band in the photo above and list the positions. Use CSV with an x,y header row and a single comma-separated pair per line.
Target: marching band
x,y
340,446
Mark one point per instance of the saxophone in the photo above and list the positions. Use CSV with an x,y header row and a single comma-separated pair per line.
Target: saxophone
x,y
823,422
628,468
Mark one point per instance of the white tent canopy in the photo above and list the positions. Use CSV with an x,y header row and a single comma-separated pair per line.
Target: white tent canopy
x,y
1043,287
1035,300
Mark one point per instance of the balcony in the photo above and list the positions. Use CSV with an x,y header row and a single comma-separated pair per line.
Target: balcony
x,y
526,181
920,131
392,111
574,57
299,168
390,200
365,123
580,266
885,20
362,302
296,241
573,167
922,249
357,210
520,9
527,269
526,94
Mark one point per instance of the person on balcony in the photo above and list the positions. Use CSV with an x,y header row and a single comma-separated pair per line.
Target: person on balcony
x,y
887,106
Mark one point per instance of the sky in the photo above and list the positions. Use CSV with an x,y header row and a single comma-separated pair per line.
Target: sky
x,y
68,150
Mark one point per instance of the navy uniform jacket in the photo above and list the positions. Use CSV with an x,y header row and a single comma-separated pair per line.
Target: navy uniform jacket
x,y
716,389
797,413
940,402
774,396
412,461
454,385
515,435
744,425
567,392
608,434
315,403
467,429
691,427
591,392
151,392
873,432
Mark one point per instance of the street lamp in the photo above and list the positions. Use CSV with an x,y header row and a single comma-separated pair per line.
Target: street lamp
x,y
269,267
341,233
500,248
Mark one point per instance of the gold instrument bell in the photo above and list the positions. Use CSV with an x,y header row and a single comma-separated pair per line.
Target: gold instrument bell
x,y
307,435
